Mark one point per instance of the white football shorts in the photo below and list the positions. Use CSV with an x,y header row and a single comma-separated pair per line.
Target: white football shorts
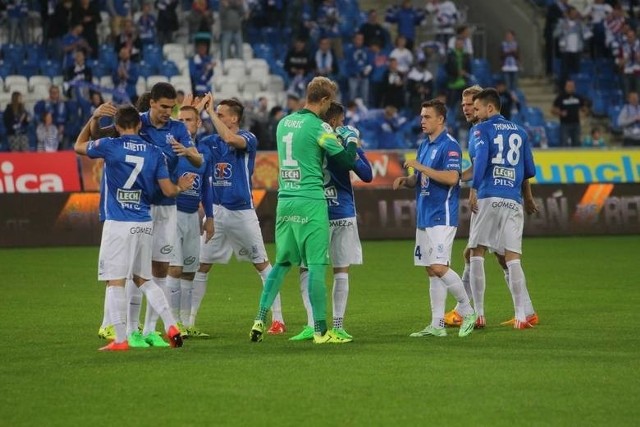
x,y
164,231
186,249
125,250
498,225
236,232
345,245
433,245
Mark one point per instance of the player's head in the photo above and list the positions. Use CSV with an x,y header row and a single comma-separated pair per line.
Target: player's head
x,y
230,112
320,92
144,102
467,103
163,99
433,117
334,115
486,103
191,119
127,120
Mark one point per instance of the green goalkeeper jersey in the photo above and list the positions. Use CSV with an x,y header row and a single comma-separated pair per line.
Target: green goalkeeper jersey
x,y
303,138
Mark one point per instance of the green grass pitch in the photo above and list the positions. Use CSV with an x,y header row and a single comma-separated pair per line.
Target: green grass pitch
x,y
580,366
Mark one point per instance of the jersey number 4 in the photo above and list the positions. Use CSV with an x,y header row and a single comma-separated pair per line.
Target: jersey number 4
x,y
138,162
513,153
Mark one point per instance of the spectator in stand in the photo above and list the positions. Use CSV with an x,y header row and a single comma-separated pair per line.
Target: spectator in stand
x,y
16,122
95,100
328,19
407,18
510,56
380,64
555,12
86,12
419,85
294,103
232,14
54,105
358,63
125,76
445,16
386,124
326,60
572,36
462,32
355,112
598,12
629,61
568,106
201,18
167,20
373,32
118,10
615,27
79,71
201,69
594,139
59,25
147,23
275,12
629,121
71,42
458,66
18,13
275,114
256,119
394,86
129,38
402,54
47,11
47,134
299,65
508,100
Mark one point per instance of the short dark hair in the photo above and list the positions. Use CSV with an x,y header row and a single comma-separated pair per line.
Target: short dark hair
x,y
127,117
335,110
163,90
489,96
439,107
143,104
235,106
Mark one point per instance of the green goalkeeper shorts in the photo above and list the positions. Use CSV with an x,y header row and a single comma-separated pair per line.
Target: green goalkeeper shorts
x,y
302,232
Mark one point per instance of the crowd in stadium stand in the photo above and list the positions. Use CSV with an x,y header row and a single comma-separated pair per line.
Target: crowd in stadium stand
x,y
61,58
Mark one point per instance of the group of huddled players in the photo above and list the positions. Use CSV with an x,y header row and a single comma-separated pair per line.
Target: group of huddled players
x,y
157,181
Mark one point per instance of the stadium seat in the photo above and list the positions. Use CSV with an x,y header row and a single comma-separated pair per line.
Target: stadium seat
x,y
252,86
106,82
613,113
261,75
552,129
145,70
182,83
16,82
141,84
533,116
276,83
50,68
173,48
251,64
151,80
169,69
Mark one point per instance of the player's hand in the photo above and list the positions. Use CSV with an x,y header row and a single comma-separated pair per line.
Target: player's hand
x,y
530,206
411,163
348,134
208,229
105,110
178,148
203,103
185,182
400,182
473,201
188,100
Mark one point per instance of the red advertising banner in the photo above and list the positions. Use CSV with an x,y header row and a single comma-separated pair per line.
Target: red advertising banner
x,y
91,170
39,172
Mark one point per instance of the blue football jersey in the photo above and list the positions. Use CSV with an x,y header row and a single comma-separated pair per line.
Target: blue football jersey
x,y
338,189
132,168
436,203
188,201
232,170
502,159
160,138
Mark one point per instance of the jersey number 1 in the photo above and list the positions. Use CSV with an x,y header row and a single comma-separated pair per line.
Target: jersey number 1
x,y
289,161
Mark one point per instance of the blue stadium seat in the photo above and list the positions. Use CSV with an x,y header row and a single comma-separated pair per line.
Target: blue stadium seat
x,y
583,83
613,113
28,69
4,145
145,70
533,116
169,69
13,54
50,68
552,130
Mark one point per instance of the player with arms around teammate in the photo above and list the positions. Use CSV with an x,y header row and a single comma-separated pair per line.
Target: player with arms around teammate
x,y
186,249
345,244
436,180
502,161
132,169
237,227
302,220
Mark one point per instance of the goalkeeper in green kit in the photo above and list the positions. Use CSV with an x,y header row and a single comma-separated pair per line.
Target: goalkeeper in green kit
x,y
302,221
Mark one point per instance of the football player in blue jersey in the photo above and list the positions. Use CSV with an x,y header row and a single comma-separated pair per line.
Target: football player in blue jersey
x,y
502,161
236,223
436,177
345,247
186,249
171,136
133,170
